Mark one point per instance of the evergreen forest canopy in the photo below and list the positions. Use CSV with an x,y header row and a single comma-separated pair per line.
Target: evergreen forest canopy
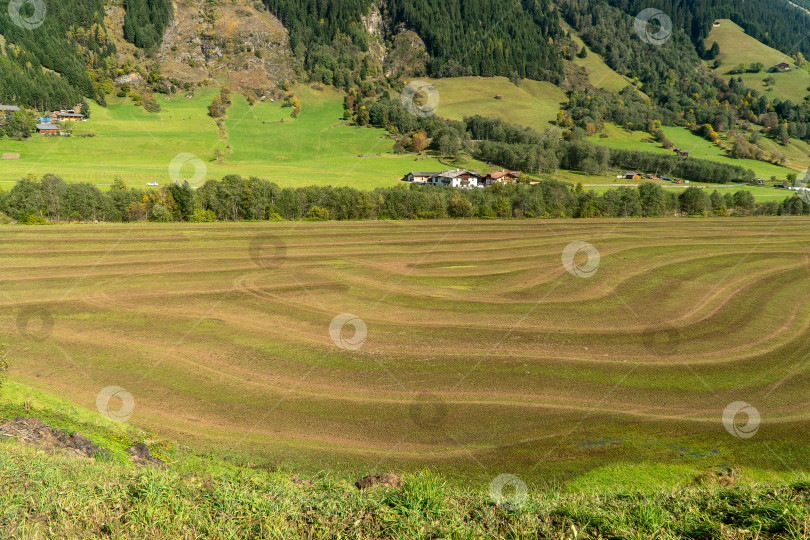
x,y
70,42
68,57
146,21
485,37
774,23
469,37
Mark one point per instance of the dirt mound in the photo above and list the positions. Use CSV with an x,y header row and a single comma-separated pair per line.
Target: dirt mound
x,y
381,480
140,455
36,432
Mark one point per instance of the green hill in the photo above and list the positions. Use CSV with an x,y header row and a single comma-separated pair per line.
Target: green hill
x,y
697,147
533,104
599,73
736,47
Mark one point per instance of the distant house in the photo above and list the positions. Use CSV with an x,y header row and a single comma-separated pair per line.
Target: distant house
x,y
757,181
48,129
782,66
9,108
498,96
420,177
683,153
500,176
460,178
68,116
632,176
457,179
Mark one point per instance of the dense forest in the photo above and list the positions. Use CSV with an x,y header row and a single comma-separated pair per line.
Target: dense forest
x,y
235,198
774,23
485,37
477,37
146,21
71,43
327,35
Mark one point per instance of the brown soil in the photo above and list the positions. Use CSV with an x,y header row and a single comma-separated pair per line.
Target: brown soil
x,y
36,432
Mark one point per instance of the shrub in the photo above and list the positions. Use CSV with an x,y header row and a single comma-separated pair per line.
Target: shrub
x,y
160,214
316,213
202,216
34,219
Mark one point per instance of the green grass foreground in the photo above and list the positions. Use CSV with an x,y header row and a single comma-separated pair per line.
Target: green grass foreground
x,y
53,496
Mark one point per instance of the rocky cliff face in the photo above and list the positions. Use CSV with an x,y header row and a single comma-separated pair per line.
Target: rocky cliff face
x,y
232,43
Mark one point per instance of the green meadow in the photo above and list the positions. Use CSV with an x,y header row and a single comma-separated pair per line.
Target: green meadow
x,y
698,147
737,47
533,104
260,140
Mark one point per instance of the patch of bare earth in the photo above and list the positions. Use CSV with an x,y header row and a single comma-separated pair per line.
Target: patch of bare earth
x,y
35,432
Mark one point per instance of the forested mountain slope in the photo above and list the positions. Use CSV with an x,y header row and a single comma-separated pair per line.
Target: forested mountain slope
x,y
49,59
773,22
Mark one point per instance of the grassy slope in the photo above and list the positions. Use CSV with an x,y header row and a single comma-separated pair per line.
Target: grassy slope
x,y
599,73
219,352
534,104
315,148
698,147
215,496
737,47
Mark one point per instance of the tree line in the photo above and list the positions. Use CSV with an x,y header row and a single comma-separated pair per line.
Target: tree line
x,y
235,198
521,148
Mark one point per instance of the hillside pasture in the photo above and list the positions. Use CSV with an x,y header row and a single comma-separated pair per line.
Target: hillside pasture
x,y
470,349
534,104
737,47
697,147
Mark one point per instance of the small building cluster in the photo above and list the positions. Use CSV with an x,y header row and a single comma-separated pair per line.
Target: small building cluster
x,y
460,178
47,124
